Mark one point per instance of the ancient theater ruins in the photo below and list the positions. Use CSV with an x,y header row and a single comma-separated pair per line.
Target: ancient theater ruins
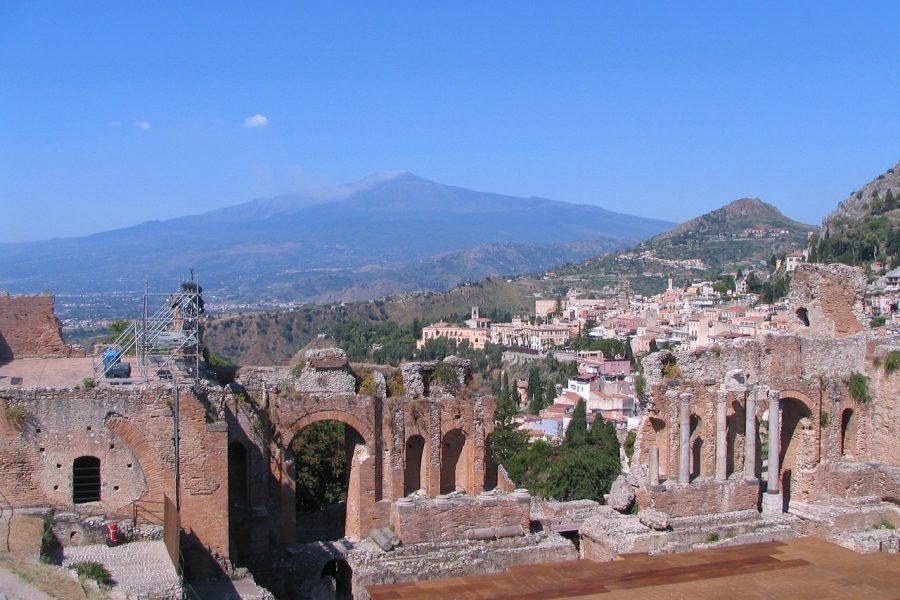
x,y
783,436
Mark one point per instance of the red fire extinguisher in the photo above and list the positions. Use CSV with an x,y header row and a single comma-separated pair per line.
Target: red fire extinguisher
x,y
113,539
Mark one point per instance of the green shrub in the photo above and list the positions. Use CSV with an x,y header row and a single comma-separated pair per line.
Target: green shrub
x,y
824,418
444,374
859,388
367,385
93,570
49,544
892,361
88,383
395,385
630,439
885,524
712,538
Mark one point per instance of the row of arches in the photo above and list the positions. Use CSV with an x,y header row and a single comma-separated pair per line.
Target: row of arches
x,y
796,417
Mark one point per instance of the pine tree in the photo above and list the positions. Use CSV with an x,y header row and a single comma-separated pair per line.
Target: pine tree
x,y
577,431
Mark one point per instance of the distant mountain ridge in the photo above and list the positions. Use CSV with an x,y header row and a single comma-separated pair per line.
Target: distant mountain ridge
x,y
387,233
733,218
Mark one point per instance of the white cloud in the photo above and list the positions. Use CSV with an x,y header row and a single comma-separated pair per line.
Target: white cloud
x,y
142,124
256,120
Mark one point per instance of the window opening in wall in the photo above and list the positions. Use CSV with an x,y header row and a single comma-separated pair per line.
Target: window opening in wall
x,y
803,315
86,479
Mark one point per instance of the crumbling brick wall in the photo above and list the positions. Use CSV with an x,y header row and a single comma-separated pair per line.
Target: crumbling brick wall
x,y
29,329
131,431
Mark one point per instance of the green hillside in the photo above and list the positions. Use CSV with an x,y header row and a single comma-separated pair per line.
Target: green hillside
x,y
865,227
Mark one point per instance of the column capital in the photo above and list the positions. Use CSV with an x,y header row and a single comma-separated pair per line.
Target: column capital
x,y
685,398
722,397
773,396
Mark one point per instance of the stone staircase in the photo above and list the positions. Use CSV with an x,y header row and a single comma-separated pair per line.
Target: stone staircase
x,y
862,524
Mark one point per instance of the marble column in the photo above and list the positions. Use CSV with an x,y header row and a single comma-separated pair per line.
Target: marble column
x,y
772,499
750,437
653,472
721,436
684,444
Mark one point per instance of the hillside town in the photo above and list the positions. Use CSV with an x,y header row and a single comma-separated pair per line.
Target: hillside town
x,y
698,316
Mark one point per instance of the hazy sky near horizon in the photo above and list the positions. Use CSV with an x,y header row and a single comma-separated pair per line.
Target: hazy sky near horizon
x,y
115,113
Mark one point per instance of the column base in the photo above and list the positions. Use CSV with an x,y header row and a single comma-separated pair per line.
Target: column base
x,y
772,504
753,481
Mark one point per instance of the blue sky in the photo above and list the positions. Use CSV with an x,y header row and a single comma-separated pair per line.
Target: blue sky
x,y
118,113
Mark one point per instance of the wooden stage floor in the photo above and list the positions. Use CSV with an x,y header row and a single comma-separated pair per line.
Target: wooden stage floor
x,y
799,568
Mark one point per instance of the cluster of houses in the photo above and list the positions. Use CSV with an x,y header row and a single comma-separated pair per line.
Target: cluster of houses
x,y
694,317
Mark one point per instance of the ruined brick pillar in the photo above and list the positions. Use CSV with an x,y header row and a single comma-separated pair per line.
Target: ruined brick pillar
x,y
721,436
286,497
772,500
750,437
653,471
684,442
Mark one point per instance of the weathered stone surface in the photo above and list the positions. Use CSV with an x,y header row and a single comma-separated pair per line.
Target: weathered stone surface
x,y
654,519
621,494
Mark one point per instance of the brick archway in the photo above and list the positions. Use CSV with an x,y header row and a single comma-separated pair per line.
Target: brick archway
x,y
362,465
331,415
160,480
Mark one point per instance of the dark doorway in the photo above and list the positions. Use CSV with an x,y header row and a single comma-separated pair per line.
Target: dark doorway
x,y
238,487
86,479
341,579
413,478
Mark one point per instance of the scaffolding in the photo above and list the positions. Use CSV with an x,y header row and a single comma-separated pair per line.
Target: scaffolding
x,y
165,341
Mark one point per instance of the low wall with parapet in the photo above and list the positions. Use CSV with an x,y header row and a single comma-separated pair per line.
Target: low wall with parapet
x,y
418,520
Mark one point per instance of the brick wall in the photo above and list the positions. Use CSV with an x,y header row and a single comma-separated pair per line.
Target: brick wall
x,y
433,519
700,497
29,329
131,431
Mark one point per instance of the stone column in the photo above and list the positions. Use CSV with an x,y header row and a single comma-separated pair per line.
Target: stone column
x,y
750,437
653,472
773,502
721,436
684,445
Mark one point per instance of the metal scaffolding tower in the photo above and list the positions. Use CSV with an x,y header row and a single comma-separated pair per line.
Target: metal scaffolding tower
x,y
165,341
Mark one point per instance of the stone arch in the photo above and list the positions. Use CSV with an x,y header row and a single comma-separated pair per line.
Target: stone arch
x,y
415,473
658,434
455,462
332,415
697,443
158,478
338,578
849,430
796,452
361,461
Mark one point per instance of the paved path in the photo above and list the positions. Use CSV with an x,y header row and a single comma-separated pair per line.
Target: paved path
x,y
136,567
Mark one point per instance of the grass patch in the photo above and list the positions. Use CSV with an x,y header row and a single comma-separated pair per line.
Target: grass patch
x,y
16,415
824,418
93,570
859,388
885,524
712,538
